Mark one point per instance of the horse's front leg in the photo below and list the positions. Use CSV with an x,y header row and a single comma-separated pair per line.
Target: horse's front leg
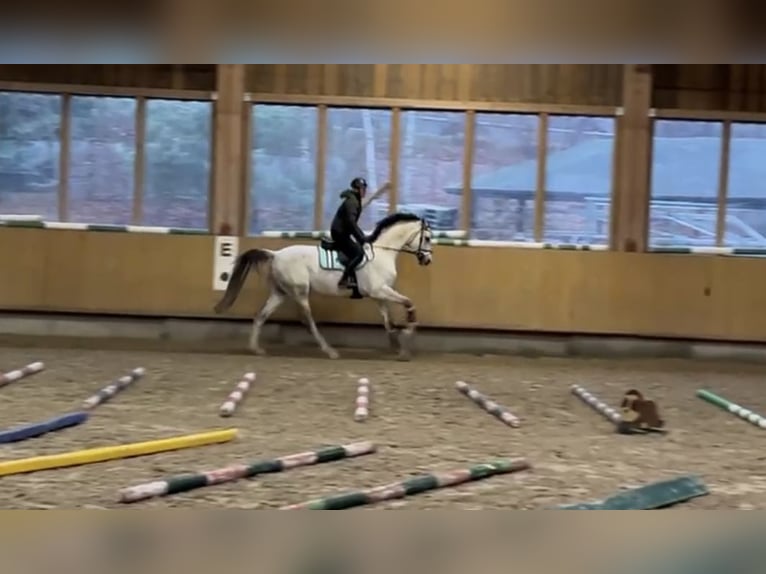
x,y
386,293
393,332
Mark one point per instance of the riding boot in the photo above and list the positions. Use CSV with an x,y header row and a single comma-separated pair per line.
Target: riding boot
x,y
355,294
344,279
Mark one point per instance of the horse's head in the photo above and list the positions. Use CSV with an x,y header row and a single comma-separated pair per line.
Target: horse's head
x,y
420,243
405,232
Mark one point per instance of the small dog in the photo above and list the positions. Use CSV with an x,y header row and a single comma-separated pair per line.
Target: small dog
x,y
639,413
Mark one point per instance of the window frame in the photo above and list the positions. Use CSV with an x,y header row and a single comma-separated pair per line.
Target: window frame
x,y
141,97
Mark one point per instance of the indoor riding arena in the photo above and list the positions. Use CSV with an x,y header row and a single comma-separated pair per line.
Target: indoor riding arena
x,y
575,256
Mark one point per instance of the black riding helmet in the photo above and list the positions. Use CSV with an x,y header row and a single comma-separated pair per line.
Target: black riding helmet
x,y
358,183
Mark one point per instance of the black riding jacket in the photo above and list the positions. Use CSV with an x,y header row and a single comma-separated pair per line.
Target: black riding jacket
x,y
346,218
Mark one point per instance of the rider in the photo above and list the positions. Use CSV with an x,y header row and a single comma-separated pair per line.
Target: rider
x,y
346,233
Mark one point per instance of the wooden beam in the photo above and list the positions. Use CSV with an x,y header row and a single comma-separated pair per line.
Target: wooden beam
x,y
65,133
247,168
723,184
431,104
614,208
634,160
542,163
228,153
466,208
139,163
212,172
87,90
321,163
709,115
395,157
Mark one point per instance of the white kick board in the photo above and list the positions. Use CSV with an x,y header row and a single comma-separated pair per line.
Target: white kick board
x,y
226,251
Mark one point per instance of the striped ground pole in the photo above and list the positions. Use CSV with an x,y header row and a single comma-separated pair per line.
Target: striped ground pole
x,y
18,374
412,486
733,408
435,234
186,482
37,224
488,405
730,251
362,400
518,244
108,392
599,406
237,395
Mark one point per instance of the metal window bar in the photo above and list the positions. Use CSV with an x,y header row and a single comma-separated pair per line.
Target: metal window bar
x,y
139,163
542,162
469,143
394,159
320,160
64,156
211,195
247,168
723,184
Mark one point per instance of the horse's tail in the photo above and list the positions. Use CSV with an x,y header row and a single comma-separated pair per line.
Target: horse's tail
x,y
244,262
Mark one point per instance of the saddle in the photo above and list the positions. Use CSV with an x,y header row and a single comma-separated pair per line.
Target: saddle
x,y
639,414
329,245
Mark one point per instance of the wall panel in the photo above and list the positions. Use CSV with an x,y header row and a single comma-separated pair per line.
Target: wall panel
x,y
507,289
730,87
179,77
572,84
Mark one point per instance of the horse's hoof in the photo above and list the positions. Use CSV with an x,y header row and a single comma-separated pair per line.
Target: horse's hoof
x,y
332,353
403,356
393,340
258,351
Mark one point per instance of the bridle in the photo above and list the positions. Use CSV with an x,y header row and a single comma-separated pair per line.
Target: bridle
x,y
420,252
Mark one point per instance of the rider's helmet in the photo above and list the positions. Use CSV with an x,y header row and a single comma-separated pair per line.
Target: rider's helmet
x,y
359,184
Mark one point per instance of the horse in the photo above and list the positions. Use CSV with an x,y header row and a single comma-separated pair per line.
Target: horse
x,y
297,270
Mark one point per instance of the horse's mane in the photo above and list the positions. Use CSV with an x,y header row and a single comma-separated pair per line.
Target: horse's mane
x,y
389,221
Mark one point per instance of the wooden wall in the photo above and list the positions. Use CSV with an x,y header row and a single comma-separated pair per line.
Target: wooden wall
x,y
510,289
165,76
506,289
731,87
575,84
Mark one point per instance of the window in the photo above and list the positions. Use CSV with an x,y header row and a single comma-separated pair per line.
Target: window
x,y
686,159
177,163
432,148
746,201
29,154
358,144
578,179
101,160
283,156
503,177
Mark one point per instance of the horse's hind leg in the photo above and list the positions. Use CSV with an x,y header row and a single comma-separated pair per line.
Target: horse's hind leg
x,y
272,304
303,302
